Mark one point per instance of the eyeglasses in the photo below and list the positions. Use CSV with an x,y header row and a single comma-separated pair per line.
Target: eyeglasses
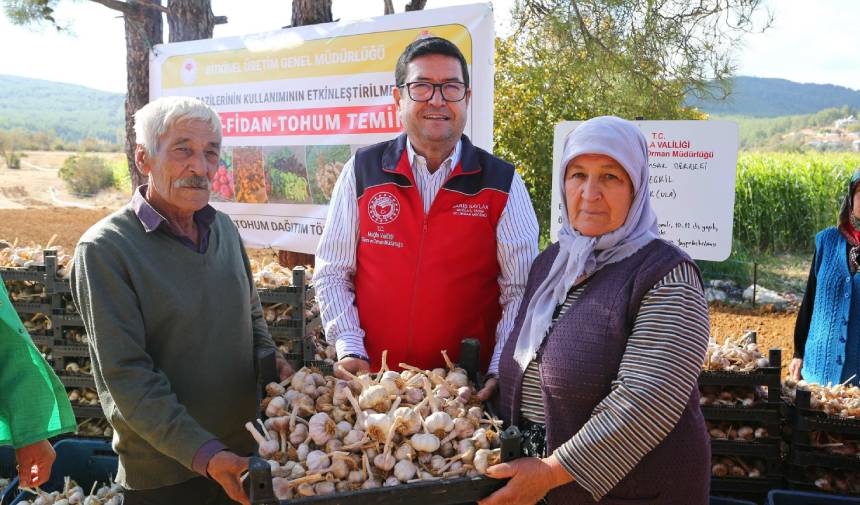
x,y
424,91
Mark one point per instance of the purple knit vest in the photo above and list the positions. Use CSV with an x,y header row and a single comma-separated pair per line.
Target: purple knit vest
x,y
580,359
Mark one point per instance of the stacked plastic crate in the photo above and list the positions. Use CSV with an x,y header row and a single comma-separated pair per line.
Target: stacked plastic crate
x,y
825,449
743,412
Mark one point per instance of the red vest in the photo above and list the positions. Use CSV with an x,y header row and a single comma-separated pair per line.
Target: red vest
x,y
423,283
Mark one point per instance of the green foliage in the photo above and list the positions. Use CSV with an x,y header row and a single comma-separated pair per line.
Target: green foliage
x,y
120,175
782,200
62,112
769,133
86,175
12,160
539,83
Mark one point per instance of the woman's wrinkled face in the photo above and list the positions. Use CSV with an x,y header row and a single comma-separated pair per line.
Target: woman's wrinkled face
x,y
598,192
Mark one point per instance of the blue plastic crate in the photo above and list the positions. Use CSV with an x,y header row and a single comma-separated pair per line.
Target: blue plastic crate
x,y
787,497
7,470
722,500
84,460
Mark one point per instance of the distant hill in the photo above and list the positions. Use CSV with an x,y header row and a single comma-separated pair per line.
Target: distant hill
x,y
70,111
763,97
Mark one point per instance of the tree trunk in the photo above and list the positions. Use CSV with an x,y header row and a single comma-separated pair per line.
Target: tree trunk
x,y
190,20
416,5
143,29
389,7
311,12
305,12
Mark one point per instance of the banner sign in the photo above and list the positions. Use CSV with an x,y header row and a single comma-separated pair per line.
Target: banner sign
x,y
295,105
692,181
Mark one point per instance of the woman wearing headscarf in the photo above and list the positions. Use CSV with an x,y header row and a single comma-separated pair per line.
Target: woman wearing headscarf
x,y
827,330
600,369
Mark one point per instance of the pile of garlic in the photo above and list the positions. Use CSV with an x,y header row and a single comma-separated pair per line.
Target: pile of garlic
x,y
271,275
27,292
740,431
74,494
325,435
840,400
94,428
83,397
731,356
33,255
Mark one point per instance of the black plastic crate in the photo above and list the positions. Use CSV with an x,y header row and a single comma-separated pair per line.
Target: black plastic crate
x,y
88,411
68,350
744,485
806,419
803,477
67,320
34,273
32,308
436,492
767,414
76,380
766,449
294,295
53,282
44,339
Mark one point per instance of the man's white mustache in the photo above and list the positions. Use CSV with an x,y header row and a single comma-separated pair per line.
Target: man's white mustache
x,y
195,181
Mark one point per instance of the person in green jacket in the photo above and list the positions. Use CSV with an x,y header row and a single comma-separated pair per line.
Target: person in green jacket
x,y
33,401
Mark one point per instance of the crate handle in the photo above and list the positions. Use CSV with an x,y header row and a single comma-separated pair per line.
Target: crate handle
x,y
258,486
512,442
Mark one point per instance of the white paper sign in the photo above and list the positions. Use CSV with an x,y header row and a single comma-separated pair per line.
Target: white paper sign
x,y
692,182
295,104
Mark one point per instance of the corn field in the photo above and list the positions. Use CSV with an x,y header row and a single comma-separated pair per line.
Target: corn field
x,y
783,200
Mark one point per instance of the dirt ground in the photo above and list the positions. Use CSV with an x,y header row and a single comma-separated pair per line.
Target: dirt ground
x,y
30,212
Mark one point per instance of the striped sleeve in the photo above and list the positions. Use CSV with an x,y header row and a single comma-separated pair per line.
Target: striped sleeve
x,y
658,371
335,268
516,248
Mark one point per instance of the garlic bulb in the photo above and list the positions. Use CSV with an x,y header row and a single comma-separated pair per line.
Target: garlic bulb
x,y
439,423
374,397
321,428
425,442
485,458
317,460
405,470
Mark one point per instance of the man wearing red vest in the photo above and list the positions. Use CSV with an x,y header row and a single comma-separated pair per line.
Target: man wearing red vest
x,y
428,239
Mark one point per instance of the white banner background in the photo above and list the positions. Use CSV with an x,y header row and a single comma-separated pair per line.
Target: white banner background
x,y
257,82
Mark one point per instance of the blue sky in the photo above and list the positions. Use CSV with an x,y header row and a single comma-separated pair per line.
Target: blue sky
x,y
809,41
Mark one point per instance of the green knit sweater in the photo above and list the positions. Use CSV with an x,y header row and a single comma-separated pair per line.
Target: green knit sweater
x,y
172,340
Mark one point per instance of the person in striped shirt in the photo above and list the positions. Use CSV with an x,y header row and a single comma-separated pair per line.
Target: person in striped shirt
x,y
428,238
600,369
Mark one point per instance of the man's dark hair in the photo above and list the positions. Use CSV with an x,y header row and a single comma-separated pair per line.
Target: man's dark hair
x,y
424,47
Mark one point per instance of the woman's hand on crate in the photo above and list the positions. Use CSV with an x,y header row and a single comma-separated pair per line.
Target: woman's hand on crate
x,y
227,468
531,480
794,368
34,463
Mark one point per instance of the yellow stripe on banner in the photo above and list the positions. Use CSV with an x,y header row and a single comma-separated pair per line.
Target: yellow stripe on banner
x,y
352,54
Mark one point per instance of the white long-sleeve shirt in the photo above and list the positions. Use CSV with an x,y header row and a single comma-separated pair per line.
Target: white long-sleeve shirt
x,y
516,248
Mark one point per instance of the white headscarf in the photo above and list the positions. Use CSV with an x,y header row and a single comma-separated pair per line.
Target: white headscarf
x,y
580,255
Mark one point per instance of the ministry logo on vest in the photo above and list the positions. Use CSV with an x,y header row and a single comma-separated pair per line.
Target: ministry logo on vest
x,y
383,208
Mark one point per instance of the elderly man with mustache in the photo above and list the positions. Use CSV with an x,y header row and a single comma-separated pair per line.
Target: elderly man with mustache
x,y
165,290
